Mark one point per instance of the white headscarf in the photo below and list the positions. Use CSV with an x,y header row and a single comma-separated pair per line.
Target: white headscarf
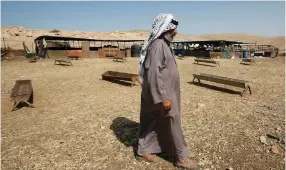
x,y
162,23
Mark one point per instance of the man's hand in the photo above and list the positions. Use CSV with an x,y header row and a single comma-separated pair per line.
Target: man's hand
x,y
140,80
167,105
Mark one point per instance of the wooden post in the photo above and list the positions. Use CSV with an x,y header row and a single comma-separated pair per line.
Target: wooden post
x,y
66,49
118,52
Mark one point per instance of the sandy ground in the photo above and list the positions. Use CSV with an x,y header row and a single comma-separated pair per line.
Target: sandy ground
x,y
83,122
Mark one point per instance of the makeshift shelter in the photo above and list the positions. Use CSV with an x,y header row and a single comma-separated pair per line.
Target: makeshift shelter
x,y
57,47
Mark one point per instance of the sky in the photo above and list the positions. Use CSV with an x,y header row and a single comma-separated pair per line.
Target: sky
x,y
265,18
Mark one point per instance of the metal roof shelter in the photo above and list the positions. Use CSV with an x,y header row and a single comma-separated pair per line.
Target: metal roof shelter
x,y
204,45
55,45
61,41
215,42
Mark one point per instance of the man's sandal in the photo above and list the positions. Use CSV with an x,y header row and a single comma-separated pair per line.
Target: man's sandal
x,y
147,157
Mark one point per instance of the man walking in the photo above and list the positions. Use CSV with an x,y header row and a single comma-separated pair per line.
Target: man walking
x,y
160,119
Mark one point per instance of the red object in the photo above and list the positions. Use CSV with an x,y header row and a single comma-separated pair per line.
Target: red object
x,y
74,53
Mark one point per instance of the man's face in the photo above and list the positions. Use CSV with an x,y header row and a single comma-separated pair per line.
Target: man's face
x,y
171,34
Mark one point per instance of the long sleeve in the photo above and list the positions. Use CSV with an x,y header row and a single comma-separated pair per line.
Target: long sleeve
x,y
158,74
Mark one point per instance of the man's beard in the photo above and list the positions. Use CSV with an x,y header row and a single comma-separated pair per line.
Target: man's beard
x,y
169,37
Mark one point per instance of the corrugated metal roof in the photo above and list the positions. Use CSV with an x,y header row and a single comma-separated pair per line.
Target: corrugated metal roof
x,y
48,37
210,42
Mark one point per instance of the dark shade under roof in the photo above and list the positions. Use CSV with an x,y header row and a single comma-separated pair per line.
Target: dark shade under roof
x,y
210,42
47,37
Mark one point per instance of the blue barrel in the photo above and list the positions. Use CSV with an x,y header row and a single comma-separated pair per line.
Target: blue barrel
x,y
182,52
245,54
178,52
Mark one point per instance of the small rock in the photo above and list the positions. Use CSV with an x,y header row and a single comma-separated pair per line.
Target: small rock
x,y
29,35
267,151
263,139
278,128
275,149
230,168
200,105
101,127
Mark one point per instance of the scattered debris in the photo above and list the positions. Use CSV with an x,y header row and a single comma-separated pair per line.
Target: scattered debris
x,y
275,149
263,139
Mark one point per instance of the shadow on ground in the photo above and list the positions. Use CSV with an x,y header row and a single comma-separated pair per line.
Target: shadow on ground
x,y
120,82
204,64
215,88
127,131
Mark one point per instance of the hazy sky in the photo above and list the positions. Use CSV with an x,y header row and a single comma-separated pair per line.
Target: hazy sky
x,y
195,18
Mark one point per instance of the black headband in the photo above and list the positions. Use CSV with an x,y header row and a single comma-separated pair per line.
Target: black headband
x,y
174,22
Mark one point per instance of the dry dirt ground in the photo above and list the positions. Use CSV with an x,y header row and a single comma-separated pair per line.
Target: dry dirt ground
x,y
83,122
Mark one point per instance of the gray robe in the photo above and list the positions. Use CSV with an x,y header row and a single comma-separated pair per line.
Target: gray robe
x,y
161,81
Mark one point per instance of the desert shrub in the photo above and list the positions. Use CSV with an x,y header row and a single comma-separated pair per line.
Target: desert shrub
x,y
55,31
